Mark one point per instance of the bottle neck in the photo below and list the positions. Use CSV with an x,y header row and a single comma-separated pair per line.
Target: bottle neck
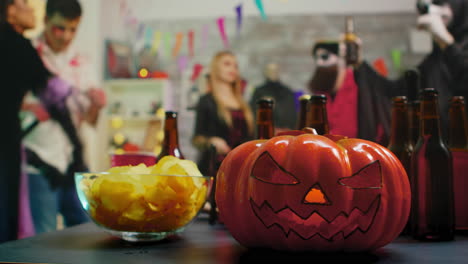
x,y
265,127
317,118
458,127
170,144
349,29
430,123
400,126
415,116
302,122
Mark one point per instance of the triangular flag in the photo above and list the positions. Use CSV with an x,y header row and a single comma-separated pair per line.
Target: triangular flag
x,y
178,44
222,31
191,37
259,4
156,42
239,18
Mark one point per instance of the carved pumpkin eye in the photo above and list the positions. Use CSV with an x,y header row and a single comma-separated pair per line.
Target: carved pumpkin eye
x,y
266,169
369,177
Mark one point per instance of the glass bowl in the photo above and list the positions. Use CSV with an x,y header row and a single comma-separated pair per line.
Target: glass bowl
x,y
133,159
142,207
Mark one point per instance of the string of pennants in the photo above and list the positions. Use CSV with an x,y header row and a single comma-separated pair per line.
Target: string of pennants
x,y
172,44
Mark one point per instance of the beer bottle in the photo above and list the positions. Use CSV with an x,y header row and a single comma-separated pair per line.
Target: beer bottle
x,y
432,210
303,104
400,142
350,41
412,89
412,85
317,114
265,124
414,121
170,145
458,124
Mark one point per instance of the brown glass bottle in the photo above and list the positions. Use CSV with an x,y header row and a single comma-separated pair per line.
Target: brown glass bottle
x,y
414,120
170,145
412,85
317,114
303,105
458,124
350,40
400,141
432,209
265,123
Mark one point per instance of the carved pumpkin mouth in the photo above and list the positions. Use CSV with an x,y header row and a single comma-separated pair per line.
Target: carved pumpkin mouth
x,y
341,227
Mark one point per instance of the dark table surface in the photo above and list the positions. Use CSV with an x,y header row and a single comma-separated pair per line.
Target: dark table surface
x,y
202,243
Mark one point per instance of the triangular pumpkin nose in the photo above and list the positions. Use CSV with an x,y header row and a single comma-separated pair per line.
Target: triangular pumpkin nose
x,y
316,196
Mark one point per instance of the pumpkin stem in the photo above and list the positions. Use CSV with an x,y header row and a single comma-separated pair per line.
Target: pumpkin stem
x,y
310,130
306,130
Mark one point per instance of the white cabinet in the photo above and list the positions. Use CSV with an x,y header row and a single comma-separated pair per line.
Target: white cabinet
x,y
134,113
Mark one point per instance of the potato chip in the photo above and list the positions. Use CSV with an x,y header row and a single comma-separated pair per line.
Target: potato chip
x,y
147,199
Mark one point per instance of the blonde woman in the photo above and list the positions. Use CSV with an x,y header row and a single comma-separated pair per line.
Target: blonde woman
x,y
223,119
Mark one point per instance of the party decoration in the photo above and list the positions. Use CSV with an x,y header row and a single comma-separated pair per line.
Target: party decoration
x,y
239,18
123,7
381,67
119,139
205,31
191,36
182,62
117,122
167,42
143,73
259,4
222,31
304,192
178,44
156,42
396,58
141,31
149,37
197,69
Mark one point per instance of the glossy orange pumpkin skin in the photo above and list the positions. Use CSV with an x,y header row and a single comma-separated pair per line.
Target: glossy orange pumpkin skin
x,y
313,193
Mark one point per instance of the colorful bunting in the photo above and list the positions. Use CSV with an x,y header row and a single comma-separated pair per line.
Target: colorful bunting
x,y
154,39
259,4
239,18
197,70
222,31
182,62
396,59
191,37
178,44
141,31
167,43
156,42
123,7
205,31
380,67
148,37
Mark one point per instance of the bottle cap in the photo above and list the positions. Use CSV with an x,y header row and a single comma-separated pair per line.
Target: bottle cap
x,y
318,98
266,101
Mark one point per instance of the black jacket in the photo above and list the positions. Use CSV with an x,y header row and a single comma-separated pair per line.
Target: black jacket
x,y
209,124
447,70
21,70
284,113
374,103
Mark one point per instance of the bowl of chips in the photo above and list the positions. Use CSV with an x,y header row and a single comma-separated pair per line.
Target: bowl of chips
x,y
144,203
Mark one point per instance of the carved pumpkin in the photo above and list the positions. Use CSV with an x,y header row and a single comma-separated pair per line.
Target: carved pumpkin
x,y
303,192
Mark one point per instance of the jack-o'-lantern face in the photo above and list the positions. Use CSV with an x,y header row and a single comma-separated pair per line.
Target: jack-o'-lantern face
x,y
309,192
317,198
